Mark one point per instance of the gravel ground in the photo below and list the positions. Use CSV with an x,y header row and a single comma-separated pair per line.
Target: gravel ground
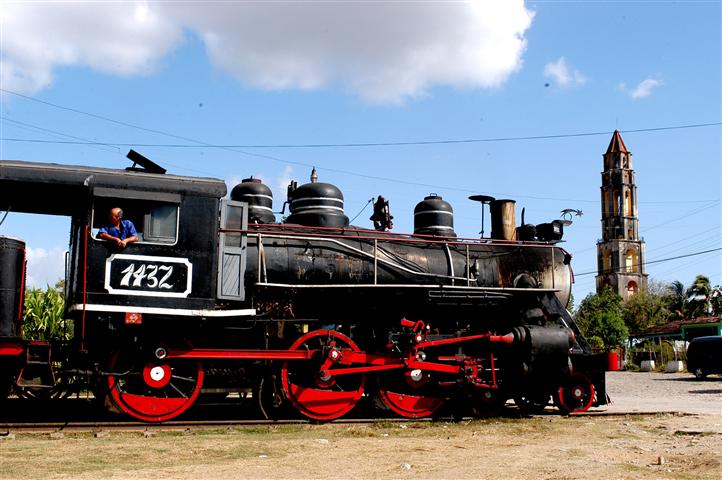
x,y
638,392
679,438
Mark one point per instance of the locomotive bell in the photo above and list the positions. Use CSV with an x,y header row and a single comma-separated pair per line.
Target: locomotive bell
x,y
434,216
259,198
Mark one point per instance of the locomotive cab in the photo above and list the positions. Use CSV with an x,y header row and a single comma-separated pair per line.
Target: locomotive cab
x,y
170,273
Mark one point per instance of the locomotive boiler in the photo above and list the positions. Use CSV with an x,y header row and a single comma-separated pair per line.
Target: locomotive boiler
x,y
310,314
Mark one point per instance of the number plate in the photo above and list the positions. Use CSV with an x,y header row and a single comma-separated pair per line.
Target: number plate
x,y
148,276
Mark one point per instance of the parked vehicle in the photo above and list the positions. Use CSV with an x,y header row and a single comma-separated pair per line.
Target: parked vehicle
x,y
704,356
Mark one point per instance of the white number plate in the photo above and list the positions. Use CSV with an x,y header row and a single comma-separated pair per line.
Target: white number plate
x,y
148,276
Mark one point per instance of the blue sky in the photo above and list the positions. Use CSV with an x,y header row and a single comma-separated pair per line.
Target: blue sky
x,y
299,73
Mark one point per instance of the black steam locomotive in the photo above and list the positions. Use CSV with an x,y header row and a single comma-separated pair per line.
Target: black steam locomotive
x,y
310,314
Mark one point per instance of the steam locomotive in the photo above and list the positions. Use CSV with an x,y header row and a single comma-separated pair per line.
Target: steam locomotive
x,y
311,315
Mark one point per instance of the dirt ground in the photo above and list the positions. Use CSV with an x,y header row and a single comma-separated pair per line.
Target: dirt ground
x,y
607,444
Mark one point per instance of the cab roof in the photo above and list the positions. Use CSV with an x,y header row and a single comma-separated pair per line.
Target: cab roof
x,y
57,189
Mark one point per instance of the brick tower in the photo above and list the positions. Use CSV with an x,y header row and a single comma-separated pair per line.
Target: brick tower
x,y
620,252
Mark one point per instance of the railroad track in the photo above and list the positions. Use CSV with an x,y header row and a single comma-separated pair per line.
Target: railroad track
x,y
93,426
191,425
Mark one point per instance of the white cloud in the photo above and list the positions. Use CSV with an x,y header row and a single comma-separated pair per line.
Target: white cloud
x,y
280,186
45,266
122,38
564,75
644,89
383,52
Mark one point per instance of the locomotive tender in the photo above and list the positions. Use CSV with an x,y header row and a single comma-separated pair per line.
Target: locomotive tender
x,y
310,314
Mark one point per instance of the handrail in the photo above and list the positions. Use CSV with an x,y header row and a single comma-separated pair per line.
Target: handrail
x,y
282,232
282,229
373,256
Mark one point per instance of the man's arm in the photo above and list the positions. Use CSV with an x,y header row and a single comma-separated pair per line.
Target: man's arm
x,y
131,231
102,234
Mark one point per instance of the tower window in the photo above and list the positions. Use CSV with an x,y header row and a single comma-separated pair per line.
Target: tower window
x,y
631,261
617,203
607,262
627,204
632,288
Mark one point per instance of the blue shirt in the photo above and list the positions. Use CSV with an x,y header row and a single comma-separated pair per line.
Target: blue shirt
x,y
127,229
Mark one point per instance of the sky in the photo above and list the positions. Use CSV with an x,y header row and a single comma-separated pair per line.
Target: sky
x,y
402,99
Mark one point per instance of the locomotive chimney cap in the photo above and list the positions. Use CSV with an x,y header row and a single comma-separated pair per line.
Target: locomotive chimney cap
x,y
482,198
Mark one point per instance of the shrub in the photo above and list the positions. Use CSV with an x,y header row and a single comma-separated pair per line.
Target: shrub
x,y
43,315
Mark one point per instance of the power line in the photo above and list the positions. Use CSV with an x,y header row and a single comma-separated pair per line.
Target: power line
x,y
359,145
338,145
623,268
235,148
48,131
695,211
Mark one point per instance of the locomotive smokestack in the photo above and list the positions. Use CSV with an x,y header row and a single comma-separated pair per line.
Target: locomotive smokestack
x,y
503,220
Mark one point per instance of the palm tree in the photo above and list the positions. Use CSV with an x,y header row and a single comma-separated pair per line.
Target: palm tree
x,y
716,300
698,297
677,298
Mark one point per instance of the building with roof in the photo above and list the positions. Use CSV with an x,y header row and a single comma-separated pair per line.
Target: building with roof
x,y
684,329
620,251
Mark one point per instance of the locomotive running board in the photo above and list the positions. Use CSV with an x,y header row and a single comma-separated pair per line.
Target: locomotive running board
x,y
404,285
185,312
467,297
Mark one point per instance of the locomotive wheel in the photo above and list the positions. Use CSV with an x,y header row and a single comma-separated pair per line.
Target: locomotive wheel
x,y
575,395
532,403
487,403
408,395
270,399
156,392
6,385
314,395
38,394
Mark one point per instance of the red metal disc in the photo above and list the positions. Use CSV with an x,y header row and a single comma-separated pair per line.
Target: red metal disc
x,y
316,396
411,406
156,376
576,394
157,393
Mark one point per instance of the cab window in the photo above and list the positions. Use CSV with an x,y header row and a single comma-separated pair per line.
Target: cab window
x,y
155,222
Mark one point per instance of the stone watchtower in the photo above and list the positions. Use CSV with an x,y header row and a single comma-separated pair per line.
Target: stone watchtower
x,y
620,252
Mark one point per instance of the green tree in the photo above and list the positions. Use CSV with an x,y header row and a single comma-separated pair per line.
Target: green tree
x,y
602,315
676,299
716,300
698,297
646,309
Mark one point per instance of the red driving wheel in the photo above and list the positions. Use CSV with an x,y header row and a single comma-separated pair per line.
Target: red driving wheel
x,y
157,392
314,393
